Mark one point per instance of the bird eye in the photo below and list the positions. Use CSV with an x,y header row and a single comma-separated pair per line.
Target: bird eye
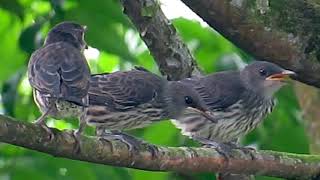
x,y
188,100
262,72
154,95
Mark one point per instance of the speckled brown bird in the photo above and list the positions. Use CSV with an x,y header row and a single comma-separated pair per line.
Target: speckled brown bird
x,y
59,75
237,100
134,99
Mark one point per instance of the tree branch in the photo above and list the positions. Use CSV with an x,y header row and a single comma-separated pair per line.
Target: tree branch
x,y
171,54
180,159
285,32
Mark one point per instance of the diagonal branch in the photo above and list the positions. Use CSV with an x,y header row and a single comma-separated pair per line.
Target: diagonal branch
x,y
171,54
156,158
285,32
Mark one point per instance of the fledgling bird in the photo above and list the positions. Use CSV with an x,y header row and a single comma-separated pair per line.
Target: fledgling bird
x,y
134,99
59,75
237,100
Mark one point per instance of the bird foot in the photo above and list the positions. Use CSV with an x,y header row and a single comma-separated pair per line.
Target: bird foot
x,y
133,142
247,150
130,141
77,137
46,128
153,150
226,148
223,149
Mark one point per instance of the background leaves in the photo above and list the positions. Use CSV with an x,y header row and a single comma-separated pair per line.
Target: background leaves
x,y
23,25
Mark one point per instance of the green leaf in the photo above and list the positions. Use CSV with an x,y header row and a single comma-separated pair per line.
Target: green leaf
x,y
13,6
106,26
12,59
27,39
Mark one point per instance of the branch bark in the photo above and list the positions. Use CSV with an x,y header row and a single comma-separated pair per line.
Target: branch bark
x,y
285,32
171,54
180,159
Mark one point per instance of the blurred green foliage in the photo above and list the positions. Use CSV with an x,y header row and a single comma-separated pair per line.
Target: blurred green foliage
x,y
23,25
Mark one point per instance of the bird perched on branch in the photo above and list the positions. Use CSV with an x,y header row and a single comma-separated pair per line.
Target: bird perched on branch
x,y
59,74
237,100
134,99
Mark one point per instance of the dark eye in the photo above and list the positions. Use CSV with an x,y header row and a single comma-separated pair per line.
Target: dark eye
x,y
262,72
154,95
188,100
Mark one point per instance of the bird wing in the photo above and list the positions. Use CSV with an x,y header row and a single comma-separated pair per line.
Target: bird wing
x,y
124,89
60,70
218,91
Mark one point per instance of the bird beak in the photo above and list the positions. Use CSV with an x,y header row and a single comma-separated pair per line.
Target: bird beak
x,y
284,75
207,114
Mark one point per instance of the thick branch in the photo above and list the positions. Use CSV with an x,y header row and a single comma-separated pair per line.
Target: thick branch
x,y
285,31
181,159
171,54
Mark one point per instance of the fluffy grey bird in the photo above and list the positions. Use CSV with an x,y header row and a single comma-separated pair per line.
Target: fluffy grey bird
x,y
238,102
134,99
59,74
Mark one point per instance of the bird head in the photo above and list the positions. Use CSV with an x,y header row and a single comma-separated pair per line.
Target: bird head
x,y
69,32
265,77
183,98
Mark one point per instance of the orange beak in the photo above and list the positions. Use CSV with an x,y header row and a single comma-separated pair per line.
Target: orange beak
x,y
283,76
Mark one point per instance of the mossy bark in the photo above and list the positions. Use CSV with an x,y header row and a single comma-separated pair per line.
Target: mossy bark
x,y
285,32
155,158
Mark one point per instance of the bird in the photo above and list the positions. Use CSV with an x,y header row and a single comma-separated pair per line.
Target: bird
x,y
60,75
125,100
238,101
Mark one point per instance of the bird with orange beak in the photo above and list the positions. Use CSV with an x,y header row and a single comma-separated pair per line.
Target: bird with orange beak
x,y
237,101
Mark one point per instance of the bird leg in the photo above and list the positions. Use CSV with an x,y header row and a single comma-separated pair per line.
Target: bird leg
x,y
78,132
82,125
41,122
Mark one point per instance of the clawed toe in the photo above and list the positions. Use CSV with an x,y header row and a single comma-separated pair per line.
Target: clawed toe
x,y
77,146
223,149
130,141
153,150
47,129
248,150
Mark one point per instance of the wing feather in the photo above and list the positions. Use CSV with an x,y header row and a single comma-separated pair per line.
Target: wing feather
x,y
60,70
218,91
124,89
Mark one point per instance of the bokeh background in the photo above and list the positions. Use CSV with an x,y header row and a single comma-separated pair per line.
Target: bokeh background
x,y
115,45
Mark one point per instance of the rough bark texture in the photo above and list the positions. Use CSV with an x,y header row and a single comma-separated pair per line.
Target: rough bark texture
x,y
153,158
285,32
171,54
